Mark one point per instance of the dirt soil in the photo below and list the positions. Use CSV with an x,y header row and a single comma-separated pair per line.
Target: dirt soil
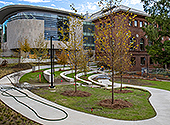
x,y
118,104
78,93
123,91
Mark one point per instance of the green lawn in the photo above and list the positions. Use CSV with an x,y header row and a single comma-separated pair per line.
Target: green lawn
x,y
33,77
141,108
160,85
149,83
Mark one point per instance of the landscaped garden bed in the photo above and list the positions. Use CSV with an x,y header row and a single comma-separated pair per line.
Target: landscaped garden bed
x,y
10,117
140,108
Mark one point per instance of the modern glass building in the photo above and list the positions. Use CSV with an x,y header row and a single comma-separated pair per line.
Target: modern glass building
x,y
88,34
52,21
26,21
0,34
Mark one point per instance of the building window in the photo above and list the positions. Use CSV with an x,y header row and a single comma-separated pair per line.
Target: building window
x,y
151,61
132,44
150,42
104,25
133,61
101,25
130,23
142,60
136,23
141,24
142,47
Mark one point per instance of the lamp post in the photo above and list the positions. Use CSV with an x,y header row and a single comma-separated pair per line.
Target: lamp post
x,y
51,55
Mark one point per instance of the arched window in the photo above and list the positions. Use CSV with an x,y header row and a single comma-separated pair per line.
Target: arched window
x,y
142,46
133,61
132,44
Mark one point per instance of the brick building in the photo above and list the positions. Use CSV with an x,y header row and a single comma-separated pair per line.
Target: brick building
x,y
139,57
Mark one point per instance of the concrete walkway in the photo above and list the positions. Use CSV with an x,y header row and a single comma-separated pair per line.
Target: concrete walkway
x,y
160,100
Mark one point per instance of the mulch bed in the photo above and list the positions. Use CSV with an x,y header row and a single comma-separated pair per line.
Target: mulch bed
x,y
118,104
123,91
78,93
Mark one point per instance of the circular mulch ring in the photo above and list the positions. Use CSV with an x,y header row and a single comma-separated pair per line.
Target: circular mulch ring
x,y
118,104
78,93
123,91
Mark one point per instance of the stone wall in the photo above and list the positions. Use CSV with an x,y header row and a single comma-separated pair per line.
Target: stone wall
x,y
18,30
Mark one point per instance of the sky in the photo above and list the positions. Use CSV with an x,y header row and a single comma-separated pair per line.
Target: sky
x,y
81,5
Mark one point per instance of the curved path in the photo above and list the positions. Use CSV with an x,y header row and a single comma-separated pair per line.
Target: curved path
x,y
160,100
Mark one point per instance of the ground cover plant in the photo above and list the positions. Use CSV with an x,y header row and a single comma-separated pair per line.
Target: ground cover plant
x,y
7,115
10,68
10,117
141,108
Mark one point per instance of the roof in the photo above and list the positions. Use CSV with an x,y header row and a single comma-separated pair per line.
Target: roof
x,y
11,10
101,13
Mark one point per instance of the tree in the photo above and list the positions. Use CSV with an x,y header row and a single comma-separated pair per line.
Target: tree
x,y
63,58
40,49
84,59
23,49
158,30
111,39
72,39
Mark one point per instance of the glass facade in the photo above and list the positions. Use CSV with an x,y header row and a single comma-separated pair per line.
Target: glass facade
x,y
52,22
0,34
88,34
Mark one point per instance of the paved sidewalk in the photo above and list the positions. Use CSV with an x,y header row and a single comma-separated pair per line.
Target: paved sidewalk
x,y
160,100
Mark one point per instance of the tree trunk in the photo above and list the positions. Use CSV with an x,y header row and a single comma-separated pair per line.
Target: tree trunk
x,y
166,67
38,65
19,58
112,84
121,79
75,78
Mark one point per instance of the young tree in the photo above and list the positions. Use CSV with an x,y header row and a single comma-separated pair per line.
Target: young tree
x,y
158,30
84,59
63,58
111,39
40,49
23,49
73,40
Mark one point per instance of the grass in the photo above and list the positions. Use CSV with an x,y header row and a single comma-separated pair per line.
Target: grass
x,y
159,84
33,77
85,77
154,84
57,74
141,108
